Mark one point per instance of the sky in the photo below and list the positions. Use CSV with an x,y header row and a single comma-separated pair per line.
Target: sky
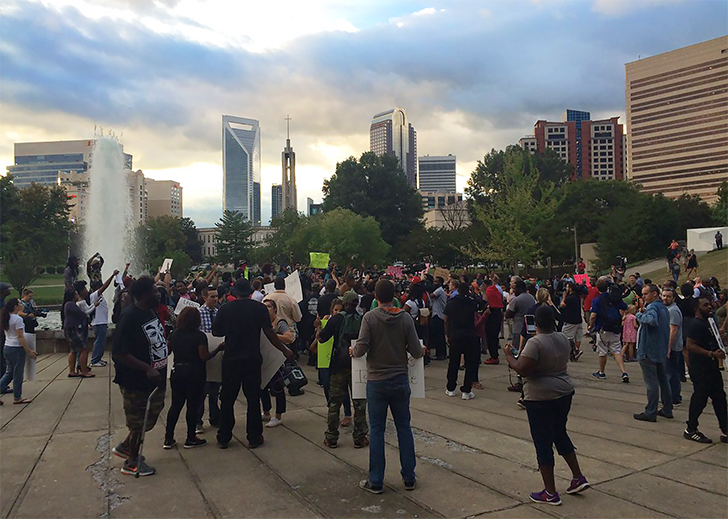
x,y
472,75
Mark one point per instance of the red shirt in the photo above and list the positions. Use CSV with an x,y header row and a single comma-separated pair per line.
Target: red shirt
x,y
593,292
494,297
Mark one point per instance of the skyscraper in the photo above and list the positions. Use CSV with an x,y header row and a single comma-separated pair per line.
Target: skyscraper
x,y
577,116
288,162
437,173
241,166
391,133
164,197
276,201
676,118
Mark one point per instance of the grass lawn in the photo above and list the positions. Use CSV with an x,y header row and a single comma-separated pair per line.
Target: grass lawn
x,y
47,289
712,264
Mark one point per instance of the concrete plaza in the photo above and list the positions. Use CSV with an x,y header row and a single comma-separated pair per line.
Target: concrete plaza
x,y
475,458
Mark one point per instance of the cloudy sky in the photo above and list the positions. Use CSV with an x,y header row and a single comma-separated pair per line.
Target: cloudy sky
x,y
472,75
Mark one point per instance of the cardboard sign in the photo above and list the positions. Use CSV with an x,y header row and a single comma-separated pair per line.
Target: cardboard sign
x,y
325,349
166,265
30,364
293,287
441,273
319,260
214,365
184,303
395,272
580,279
415,369
273,359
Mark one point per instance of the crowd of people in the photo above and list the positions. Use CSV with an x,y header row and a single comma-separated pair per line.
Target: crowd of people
x,y
541,325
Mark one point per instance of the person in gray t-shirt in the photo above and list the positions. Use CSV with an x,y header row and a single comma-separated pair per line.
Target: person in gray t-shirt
x,y
518,307
674,353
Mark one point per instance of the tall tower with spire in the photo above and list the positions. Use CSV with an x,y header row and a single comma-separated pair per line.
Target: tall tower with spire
x,y
288,160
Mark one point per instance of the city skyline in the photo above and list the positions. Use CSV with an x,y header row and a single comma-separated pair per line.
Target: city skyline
x,y
472,76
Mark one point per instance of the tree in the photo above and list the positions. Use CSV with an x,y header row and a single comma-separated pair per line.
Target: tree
x,y
691,213
34,229
720,209
233,237
551,167
285,226
193,245
375,186
161,236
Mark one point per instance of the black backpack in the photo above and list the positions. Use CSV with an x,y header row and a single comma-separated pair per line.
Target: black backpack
x,y
610,323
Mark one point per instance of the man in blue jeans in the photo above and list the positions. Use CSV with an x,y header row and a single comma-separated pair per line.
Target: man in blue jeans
x,y
674,356
653,343
387,334
100,321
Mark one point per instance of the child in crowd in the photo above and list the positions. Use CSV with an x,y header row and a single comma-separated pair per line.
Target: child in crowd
x,y
629,334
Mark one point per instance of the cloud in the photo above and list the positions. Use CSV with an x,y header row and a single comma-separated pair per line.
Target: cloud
x,y
622,7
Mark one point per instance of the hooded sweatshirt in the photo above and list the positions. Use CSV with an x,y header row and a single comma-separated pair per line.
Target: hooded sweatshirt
x,y
386,336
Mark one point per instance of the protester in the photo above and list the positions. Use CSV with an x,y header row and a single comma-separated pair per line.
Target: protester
x,y
653,344
387,335
571,316
629,334
674,352
15,350
93,267
494,322
324,302
241,323
140,359
420,313
517,308
704,374
548,392
691,269
75,329
605,319
100,321
208,312
30,312
188,377
462,341
437,323
276,386
70,273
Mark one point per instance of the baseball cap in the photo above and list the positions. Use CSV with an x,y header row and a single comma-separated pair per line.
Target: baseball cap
x,y
350,297
242,288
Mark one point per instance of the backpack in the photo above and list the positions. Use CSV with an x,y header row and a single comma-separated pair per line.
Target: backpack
x,y
611,320
349,330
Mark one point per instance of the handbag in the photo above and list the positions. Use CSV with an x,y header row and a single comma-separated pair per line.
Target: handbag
x,y
293,376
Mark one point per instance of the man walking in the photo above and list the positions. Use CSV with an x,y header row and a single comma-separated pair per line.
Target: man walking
x,y
437,323
387,335
208,312
705,375
495,319
605,319
653,343
241,322
463,341
573,322
674,354
100,321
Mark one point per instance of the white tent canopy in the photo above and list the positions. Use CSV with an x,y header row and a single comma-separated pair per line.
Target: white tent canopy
x,y
703,240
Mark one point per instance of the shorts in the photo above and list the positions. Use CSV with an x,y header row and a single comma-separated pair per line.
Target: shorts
x,y
135,405
77,339
608,343
574,332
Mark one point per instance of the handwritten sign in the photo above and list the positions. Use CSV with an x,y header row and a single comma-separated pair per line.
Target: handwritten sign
x,y
214,365
325,349
30,364
395,272
441,273
293,287
166,265
319,260
581,279
273,359
415,372
184,303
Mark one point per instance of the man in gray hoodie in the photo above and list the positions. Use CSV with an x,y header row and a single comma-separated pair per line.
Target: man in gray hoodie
x,y
387,334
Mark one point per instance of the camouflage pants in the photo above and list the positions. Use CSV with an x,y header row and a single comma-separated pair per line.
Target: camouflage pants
x,y
340,382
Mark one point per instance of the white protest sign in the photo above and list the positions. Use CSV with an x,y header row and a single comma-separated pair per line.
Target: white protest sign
x,y
184,303
119,279
293,287
30,364
273,359
166,265
214,365
415,368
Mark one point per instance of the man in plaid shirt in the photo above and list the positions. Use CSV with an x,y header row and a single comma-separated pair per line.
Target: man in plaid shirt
x,y
208,311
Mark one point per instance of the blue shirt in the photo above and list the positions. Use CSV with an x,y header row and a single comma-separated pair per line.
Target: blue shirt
x,y
653,336
207,317
600,304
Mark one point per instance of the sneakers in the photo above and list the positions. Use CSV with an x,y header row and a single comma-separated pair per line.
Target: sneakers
x,y
142,469
410,485
222,445
99,364
724,438
661,412
121,451
642,417
450,393
520,403
492,361
577,354
545,497
599,375
516,388
625,378
577,485
696,436
365,485
199,429
331,444
169,444
195,442
360,444
274,422
255,445
266,417
468,396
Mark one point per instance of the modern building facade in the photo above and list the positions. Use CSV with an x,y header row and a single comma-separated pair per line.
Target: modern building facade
x,y
288,163
390,133
437,173
577,116
677,108
528,143
439,199
241,163
164,198
138,196
41,162
276,201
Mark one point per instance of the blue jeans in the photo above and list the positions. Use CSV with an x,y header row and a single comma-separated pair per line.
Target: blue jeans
x,y
393,393
674,370
14,369
657,382
99,342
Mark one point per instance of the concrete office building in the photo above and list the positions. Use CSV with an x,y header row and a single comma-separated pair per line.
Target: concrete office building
x,y
288,163
437,173
208,239
241,166
41,162
677,107
164,198
391,133
276,201
138,196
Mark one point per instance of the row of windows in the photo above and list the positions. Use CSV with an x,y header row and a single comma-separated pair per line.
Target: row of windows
x,y
674,112
680,72
717,77
686,172
707,118
685,148
680,136
680,98
670,161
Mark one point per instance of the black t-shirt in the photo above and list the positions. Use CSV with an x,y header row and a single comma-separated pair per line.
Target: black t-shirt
x,y
700,333
241,322
571,313
366,302
185,344
532,311
460,311
140,334
324,304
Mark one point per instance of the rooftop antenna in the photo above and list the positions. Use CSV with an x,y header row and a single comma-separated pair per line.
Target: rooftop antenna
x,y
288,127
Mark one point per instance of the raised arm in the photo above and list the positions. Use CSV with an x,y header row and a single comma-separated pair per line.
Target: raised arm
x,y
108,282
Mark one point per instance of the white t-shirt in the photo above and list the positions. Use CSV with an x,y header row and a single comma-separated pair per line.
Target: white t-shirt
x,y
11,334
102,311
